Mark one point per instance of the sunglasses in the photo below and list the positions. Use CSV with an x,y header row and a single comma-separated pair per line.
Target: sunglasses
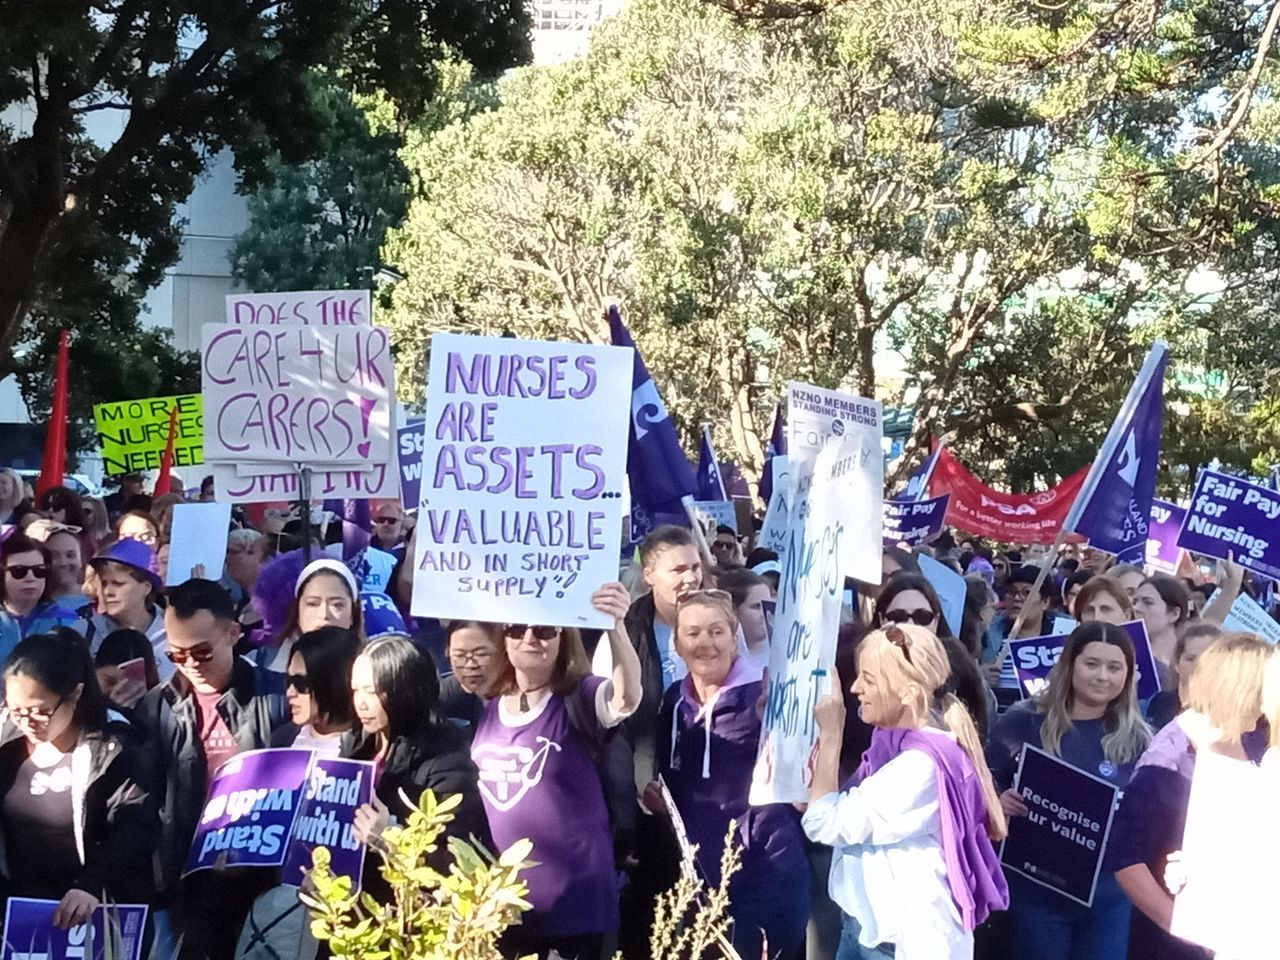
x,y
921,618
899,639
36,714
711,592
198,654
382,520
514,631
299,682
21,571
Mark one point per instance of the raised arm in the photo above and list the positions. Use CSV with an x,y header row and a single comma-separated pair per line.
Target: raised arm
x,y
614,600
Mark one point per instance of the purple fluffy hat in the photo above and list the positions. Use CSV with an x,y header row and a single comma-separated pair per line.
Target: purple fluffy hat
x,y
274,591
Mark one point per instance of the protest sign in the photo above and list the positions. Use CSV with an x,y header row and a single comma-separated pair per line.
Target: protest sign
x,y
914,521
719,512
378,484
1229,850
1247,614
115,931
1061,842
312,307
773,532
249,813
816,416
949,586
199,538
132,433
523,470
1009,517
335,790
409,450
1163,553
253,468
297,394
1231,515
1034,657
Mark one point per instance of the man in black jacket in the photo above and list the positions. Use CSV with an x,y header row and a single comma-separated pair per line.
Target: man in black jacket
x,y
211,709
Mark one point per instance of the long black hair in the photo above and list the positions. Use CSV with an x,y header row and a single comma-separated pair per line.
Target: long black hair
x,y
327,654
60,665
407,684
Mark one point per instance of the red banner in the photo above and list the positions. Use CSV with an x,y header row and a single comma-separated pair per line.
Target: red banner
x,y
1006,517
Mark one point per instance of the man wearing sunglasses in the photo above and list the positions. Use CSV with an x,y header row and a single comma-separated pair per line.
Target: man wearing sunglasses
x,y
213,707
388,528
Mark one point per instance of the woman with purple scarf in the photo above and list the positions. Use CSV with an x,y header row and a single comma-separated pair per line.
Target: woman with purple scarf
x,y
708,738
913,867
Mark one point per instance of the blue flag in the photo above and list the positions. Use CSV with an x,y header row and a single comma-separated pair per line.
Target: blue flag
x,y
777,447
918,483
658,471
710,481
357,527
735,484
1113,508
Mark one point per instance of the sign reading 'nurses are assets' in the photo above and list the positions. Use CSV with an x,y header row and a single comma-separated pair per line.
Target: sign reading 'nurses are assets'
x,y
524,464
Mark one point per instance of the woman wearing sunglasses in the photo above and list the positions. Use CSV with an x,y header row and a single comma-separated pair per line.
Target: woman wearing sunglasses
x,y
27,593
77,824
913,863
534,747
318,690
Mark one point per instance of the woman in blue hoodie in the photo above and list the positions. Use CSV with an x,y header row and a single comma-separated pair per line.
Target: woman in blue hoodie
x,y
708,737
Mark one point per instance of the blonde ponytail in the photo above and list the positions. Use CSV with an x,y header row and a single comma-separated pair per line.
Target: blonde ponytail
x,y
958,721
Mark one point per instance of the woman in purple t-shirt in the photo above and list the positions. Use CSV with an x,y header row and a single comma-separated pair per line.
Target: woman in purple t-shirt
x,y
538,779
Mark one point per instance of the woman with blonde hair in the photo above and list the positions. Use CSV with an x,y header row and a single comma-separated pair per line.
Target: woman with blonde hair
x,y
1088,717
913,863
1224,693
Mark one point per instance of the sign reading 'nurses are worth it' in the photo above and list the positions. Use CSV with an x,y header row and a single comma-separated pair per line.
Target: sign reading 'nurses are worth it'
x,y
132,433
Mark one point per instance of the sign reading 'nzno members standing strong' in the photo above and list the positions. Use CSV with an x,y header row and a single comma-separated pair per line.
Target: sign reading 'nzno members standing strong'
x,y
524,462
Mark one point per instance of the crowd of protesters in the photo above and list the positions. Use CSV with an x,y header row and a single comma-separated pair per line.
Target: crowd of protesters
x,y
122,697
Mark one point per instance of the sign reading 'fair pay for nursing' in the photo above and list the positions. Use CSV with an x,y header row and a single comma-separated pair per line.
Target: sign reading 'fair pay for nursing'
x,y
524,464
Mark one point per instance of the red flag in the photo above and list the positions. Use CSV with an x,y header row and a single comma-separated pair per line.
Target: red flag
x,y
164,482
53,464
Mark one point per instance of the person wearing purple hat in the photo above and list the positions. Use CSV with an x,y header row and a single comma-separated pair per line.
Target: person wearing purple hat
x,y
128,586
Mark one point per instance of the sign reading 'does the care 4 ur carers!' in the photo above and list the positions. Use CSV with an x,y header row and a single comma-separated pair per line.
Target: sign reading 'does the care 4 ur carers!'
x,y
1228,514
524,464
1061,842
290,393
324,308
249,813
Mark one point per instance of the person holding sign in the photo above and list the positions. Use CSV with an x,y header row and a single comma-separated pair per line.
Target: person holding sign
x,y
708,739
913,864
1088,716
77,821
536,748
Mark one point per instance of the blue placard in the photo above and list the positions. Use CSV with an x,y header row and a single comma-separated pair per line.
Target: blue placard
x,y
914,521
29,933
1061,843
409,441
1228,514
1034,657
336,789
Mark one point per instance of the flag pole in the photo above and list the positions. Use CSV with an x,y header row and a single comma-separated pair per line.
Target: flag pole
x,y
53,459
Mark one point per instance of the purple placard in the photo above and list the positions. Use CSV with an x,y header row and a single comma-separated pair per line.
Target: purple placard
x,y
249,813
914,521
1061,842
1228,514
1162,536
335,790
1034,657
29,933
409,441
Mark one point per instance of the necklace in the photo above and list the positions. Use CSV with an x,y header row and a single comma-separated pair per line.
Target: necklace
x,y
524,697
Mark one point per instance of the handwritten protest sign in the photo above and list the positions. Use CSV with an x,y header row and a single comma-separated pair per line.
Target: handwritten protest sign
x,y
409,449
115,931
132,433
1163,553
719,512
326,308
249,813
1231,515
914,521
1061,842
297,394
523,471
773,533
1034,657
378,483
1247,614
335,790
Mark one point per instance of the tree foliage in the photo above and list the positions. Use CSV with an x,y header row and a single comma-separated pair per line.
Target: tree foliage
x,y
1016,197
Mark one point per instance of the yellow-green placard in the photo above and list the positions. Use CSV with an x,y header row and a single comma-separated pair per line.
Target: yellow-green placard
x,y
133,433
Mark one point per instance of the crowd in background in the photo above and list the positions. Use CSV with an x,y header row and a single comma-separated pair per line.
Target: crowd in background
x,y
123,696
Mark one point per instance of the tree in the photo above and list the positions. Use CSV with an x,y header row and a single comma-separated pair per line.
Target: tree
x,y
183,80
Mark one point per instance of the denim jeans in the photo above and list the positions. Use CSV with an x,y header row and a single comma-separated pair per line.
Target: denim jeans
x,y
1047,926
851,949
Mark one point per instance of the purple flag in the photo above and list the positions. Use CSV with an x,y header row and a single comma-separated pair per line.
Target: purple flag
x,y
777,447
335,790
735,484
710,482
1113,508
249,813
657,468
918,483
29,932
357,527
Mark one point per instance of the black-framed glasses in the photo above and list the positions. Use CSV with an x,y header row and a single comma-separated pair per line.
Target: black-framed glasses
x,y
299,681
921,618
36,714
478,658
21,571
514,631
200,654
